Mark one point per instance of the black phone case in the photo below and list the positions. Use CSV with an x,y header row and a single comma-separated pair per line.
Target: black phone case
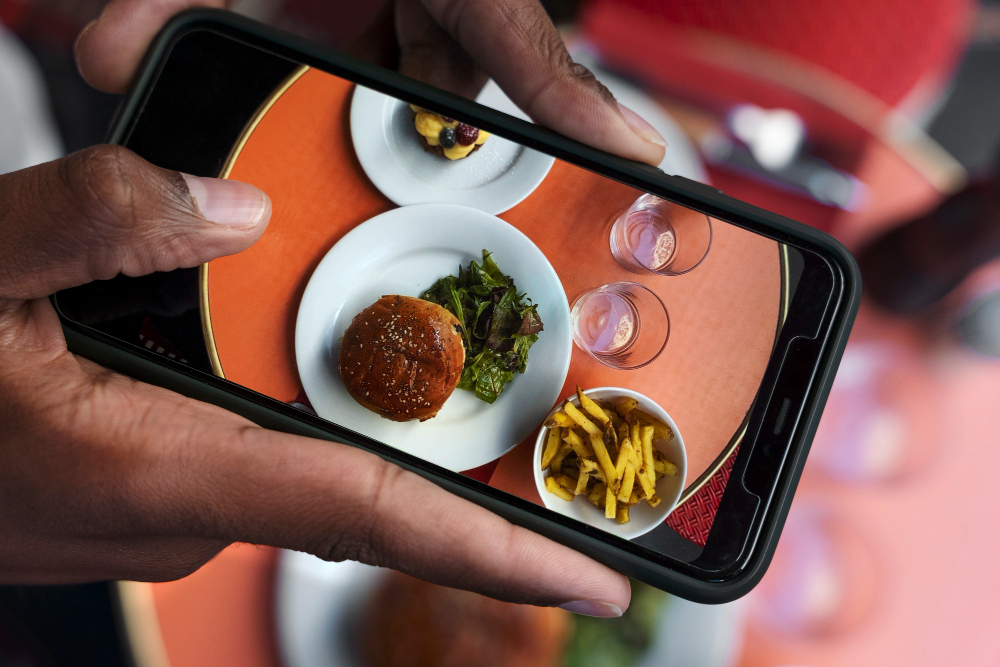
x,y
147,366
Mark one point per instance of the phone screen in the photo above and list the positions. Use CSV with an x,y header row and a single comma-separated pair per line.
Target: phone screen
x,y
446,291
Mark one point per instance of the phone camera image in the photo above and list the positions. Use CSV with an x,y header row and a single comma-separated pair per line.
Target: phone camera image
x,y
572,347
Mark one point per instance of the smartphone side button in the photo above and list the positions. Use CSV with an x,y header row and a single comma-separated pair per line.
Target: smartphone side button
x,y
782,415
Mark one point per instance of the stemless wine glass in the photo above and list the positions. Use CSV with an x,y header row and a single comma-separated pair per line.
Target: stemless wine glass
x,y
623,325
660,236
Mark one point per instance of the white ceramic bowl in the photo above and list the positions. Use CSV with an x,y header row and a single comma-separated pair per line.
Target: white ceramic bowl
x,y
643,518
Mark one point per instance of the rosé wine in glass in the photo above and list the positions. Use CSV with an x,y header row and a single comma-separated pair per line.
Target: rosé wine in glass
x,y
660,236
623,325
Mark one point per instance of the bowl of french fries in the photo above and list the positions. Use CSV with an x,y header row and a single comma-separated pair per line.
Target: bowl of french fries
x,y
612,458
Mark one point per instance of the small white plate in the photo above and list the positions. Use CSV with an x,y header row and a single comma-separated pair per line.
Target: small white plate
x,y
316,602
494,179
404,251
643,517
680,158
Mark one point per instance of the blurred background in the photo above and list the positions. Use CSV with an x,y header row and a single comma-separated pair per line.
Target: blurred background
x,y
874,121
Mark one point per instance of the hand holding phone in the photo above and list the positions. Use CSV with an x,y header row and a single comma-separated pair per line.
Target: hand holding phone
x,y
106,477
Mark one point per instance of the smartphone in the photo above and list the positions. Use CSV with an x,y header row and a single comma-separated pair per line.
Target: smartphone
x,y
706,331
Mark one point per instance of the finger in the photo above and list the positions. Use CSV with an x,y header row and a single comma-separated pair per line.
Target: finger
x,y
515,42
429,54
213,475
105,211
109,49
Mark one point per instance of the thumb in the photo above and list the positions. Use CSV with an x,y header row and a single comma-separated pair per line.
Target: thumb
x,y
105,211
515,42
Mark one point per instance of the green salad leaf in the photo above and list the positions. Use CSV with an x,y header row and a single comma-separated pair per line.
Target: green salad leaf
x,y
617,642
499,325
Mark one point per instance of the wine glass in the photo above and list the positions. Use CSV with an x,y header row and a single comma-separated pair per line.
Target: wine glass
x,y
623,325
660,236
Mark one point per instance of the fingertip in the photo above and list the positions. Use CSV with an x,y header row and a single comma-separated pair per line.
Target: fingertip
x,y
641,127
229,203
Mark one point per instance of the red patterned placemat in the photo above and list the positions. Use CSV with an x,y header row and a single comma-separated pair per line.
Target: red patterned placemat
x,y
694,518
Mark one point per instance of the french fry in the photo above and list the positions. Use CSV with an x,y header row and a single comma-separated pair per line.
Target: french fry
x,y
552,486
610,437
664,467
591,407
646,432
582,449
624,456
565,481
604,459
634,498
581,483
648,490
622,515
626,406
551,447
654,501
627,482
661,432
560,419
610,506
556,465
596,495
581,419
634,436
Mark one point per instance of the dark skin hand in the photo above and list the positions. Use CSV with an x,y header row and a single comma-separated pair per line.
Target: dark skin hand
x,y
103,477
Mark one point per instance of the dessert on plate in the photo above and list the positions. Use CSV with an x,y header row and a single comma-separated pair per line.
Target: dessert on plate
x,y
445,136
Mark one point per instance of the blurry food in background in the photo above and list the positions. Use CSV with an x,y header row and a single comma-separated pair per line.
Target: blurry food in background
x,y
658,236
822,580
881,422
618,642
915,265
411,623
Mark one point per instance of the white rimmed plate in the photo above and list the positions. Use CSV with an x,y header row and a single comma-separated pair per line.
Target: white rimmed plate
x,y
403,251
317,601
493,179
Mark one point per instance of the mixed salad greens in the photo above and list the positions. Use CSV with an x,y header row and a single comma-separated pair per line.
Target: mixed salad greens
x,y
499,325
623,641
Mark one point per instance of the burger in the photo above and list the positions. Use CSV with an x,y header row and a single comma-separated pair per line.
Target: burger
x,y
401,357
411,623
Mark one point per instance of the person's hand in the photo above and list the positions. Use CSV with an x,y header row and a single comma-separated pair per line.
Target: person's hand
x,y
105,477
452,44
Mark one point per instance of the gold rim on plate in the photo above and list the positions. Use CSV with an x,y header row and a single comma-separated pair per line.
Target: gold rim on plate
x,y
227,167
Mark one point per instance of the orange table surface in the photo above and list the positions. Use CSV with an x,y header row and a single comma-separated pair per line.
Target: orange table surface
x,y
724,314
937,597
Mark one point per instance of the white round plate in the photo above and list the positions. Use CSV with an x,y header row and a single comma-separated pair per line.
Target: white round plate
x,y
493,179
680,159
643,517
404,251
317,600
